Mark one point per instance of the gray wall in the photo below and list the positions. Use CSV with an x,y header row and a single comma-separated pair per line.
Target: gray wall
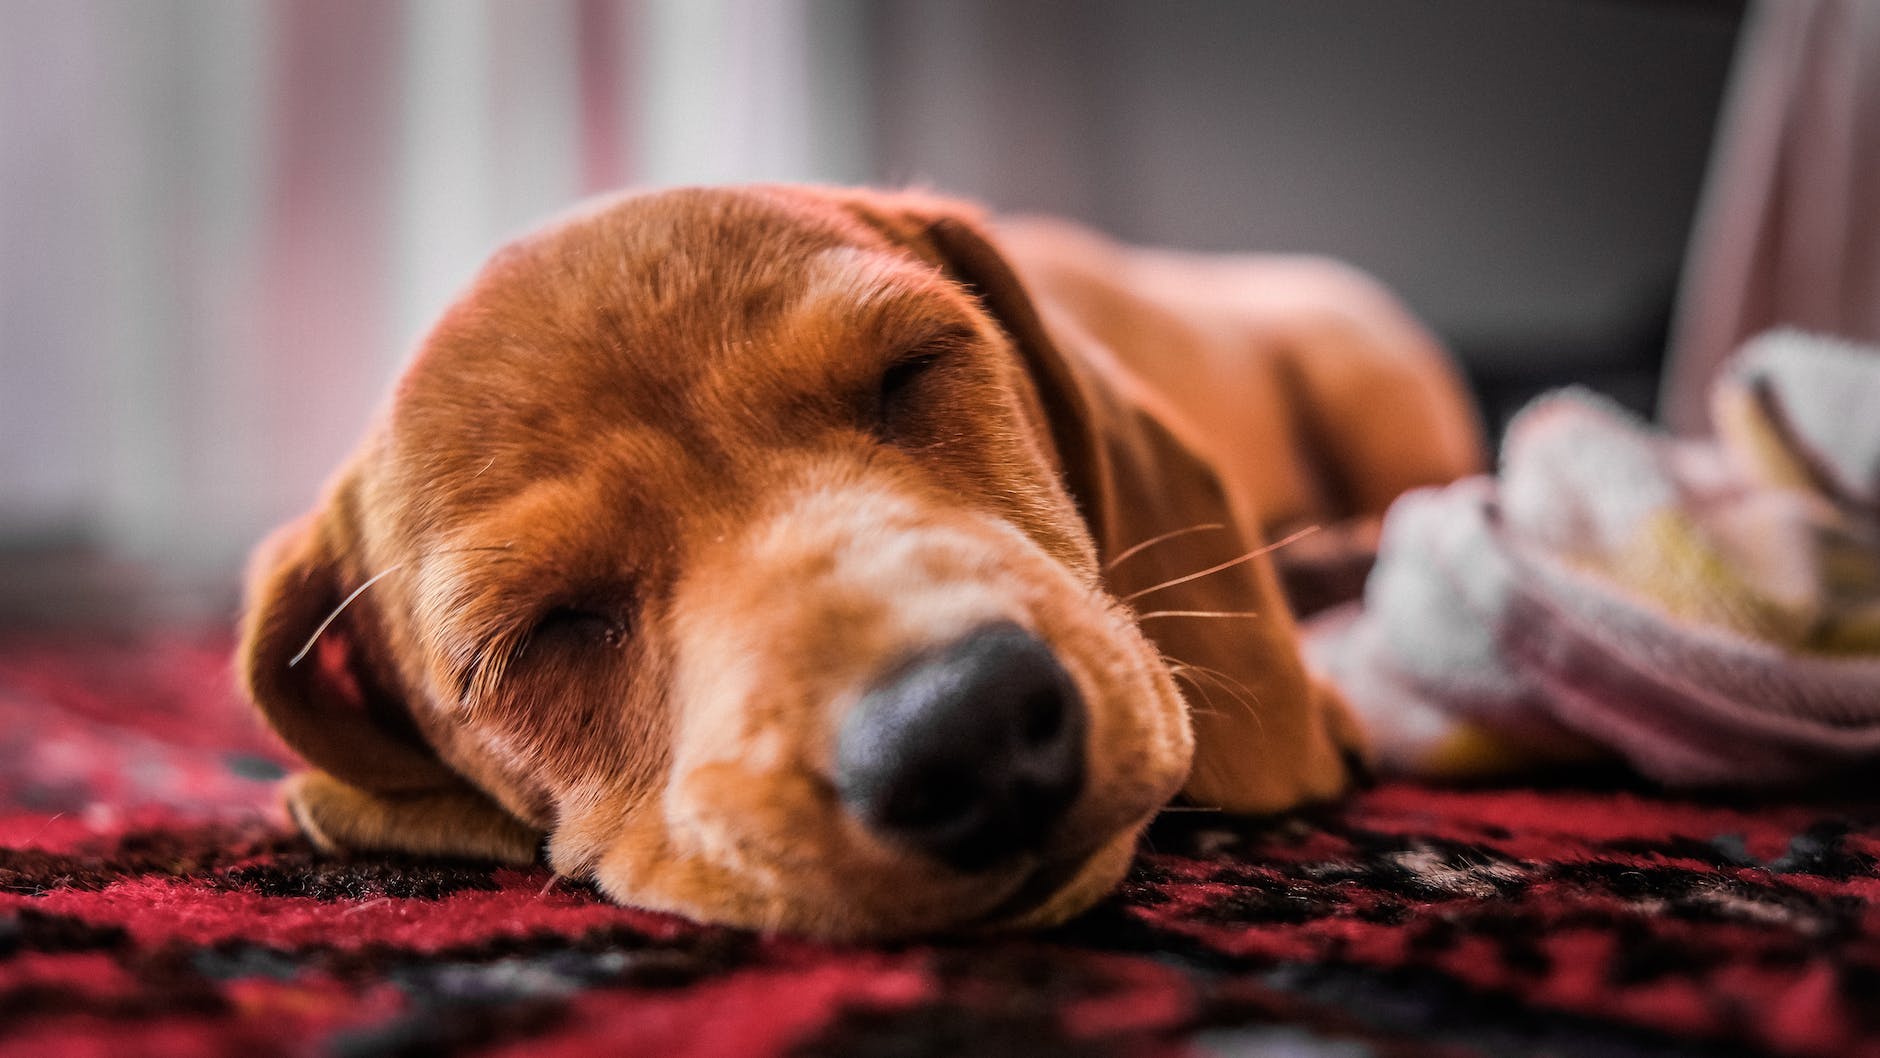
x,y
1522,171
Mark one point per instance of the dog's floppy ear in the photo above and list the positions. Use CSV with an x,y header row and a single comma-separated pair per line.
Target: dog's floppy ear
x,y
1068,409
1267,735
320,693
379,786
950,234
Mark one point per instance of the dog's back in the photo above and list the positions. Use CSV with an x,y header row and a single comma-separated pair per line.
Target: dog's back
x,y
775,556
1302,381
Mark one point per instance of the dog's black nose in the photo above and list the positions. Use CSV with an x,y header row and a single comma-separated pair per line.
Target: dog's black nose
x,y
970,752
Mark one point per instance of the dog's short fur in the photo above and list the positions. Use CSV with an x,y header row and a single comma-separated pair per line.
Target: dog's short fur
x,y
681,475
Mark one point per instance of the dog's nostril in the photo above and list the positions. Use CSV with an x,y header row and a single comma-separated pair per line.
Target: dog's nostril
x,y
970,752
1043,716
925,801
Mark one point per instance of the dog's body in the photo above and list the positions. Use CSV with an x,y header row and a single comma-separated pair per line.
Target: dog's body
x,y
770,551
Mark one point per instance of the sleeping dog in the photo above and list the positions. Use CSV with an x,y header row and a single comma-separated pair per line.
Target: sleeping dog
x,y
832,561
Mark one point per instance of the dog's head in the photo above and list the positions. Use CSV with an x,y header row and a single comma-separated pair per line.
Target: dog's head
x,y
723,539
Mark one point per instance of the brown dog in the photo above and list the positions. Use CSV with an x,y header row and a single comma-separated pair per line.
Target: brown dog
x,y
771,554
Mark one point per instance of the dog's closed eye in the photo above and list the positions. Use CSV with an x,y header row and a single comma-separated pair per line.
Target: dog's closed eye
x,y
581,625
905,381
562,631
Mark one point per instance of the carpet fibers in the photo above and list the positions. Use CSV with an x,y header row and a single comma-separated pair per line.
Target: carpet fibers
x,y
153,902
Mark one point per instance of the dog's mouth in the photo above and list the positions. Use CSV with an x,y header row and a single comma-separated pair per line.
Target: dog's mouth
x,y
1040,887
960,736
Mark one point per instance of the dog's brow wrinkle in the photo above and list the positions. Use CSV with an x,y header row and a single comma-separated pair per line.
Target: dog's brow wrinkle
x,y
871,289
855,275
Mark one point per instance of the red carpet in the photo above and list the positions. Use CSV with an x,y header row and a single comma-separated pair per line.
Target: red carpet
x,y
151,902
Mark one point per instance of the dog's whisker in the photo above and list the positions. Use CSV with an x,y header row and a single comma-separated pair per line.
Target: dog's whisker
x,y
1245,698
320,630
1229,564
1251,701
1248,701
341,608
53,818
1196,613
1250,707
1206,698
1219,675
1192,808
1219,684
1128,552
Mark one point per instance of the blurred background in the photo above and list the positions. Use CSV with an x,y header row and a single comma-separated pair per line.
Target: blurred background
x,y
223,223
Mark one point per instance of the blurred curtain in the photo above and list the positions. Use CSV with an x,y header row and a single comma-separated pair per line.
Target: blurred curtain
x,y
224,222
1789,229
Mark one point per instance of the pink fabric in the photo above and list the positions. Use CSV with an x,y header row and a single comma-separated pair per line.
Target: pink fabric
x,y
1789,230
1694,609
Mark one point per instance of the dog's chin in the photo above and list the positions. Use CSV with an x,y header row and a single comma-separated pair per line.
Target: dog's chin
x,y
1054,893
919,900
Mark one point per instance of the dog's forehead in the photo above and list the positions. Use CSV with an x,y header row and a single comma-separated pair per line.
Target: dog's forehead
x,y
683,316
654,267
646,295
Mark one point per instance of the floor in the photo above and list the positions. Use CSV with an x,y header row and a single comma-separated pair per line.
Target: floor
x,y
153,902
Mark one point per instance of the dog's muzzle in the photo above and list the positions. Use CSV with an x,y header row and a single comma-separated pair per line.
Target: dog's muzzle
x,y
969,752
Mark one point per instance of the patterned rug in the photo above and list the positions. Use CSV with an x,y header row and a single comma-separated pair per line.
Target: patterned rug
x,y
152,902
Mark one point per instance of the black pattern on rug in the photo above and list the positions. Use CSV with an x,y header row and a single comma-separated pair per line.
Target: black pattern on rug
x,y
152,901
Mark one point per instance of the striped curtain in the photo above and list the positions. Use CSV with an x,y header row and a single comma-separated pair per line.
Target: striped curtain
x,y
224,222
1788,233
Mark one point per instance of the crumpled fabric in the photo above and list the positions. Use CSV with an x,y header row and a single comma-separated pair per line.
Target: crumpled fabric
x,y
1707,611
